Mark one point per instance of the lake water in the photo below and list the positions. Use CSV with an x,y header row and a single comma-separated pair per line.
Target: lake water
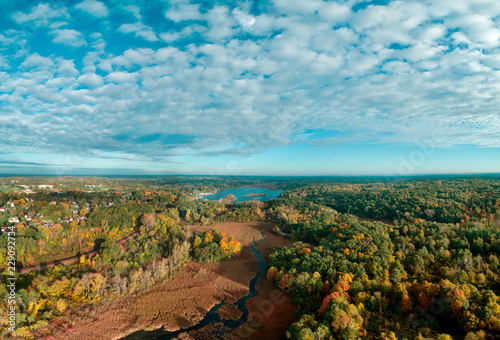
x,y
241,194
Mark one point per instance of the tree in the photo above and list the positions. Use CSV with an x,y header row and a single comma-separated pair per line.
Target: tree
x,y
98,283
148,221
60,306
406,304
86,282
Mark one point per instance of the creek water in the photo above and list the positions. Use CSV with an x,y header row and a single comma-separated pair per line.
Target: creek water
x,y
212,316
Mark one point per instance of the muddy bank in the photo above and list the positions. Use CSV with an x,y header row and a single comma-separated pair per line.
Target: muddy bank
x,y
184,301
213,317
270,312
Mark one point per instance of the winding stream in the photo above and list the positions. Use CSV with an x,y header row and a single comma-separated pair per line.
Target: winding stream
x,y
212,316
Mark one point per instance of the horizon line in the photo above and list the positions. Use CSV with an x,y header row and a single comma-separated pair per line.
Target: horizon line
x,y
467,174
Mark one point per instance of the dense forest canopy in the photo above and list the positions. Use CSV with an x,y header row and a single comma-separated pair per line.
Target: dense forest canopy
x,y
419,277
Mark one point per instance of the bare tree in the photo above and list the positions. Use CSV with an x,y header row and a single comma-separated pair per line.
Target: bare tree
x,y
86,281
429,213
148,221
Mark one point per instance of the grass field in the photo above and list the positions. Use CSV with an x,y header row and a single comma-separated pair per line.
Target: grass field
x,y
6,189
4,218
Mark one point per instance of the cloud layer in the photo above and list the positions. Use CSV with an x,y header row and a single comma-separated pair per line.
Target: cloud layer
x,y
156,81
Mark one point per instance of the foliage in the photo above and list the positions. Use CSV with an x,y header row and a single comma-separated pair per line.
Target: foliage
x,y
364,279
213,246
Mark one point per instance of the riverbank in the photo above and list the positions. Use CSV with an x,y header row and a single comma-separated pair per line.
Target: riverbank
x,y
184,301
270,313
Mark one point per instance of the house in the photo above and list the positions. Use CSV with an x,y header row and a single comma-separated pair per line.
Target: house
x,y
14,219
53,203
80,218
2,210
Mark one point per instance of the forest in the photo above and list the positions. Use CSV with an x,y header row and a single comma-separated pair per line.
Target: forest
x,y
419,277
372,258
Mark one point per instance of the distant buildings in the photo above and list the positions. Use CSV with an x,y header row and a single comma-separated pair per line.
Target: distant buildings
x,y
14,219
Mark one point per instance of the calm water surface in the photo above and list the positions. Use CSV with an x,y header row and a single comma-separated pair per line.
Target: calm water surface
x,y
241,194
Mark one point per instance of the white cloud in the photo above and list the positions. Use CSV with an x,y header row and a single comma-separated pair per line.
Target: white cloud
x,y
135,10
221,24
335,13
90,80
299,6
184,12
170,36
93,7
4,64
480,29
37,61
40,15
67,68
139,30
243,19
121,77
69,37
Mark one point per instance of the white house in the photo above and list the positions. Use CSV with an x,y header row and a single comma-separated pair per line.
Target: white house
x,y
14,219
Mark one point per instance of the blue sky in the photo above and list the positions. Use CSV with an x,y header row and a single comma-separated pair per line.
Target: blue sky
x,y
283,87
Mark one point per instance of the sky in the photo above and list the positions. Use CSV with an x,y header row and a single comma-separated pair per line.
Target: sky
x,y
280,87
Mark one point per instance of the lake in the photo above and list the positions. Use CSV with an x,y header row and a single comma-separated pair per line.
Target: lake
x,y
241,194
